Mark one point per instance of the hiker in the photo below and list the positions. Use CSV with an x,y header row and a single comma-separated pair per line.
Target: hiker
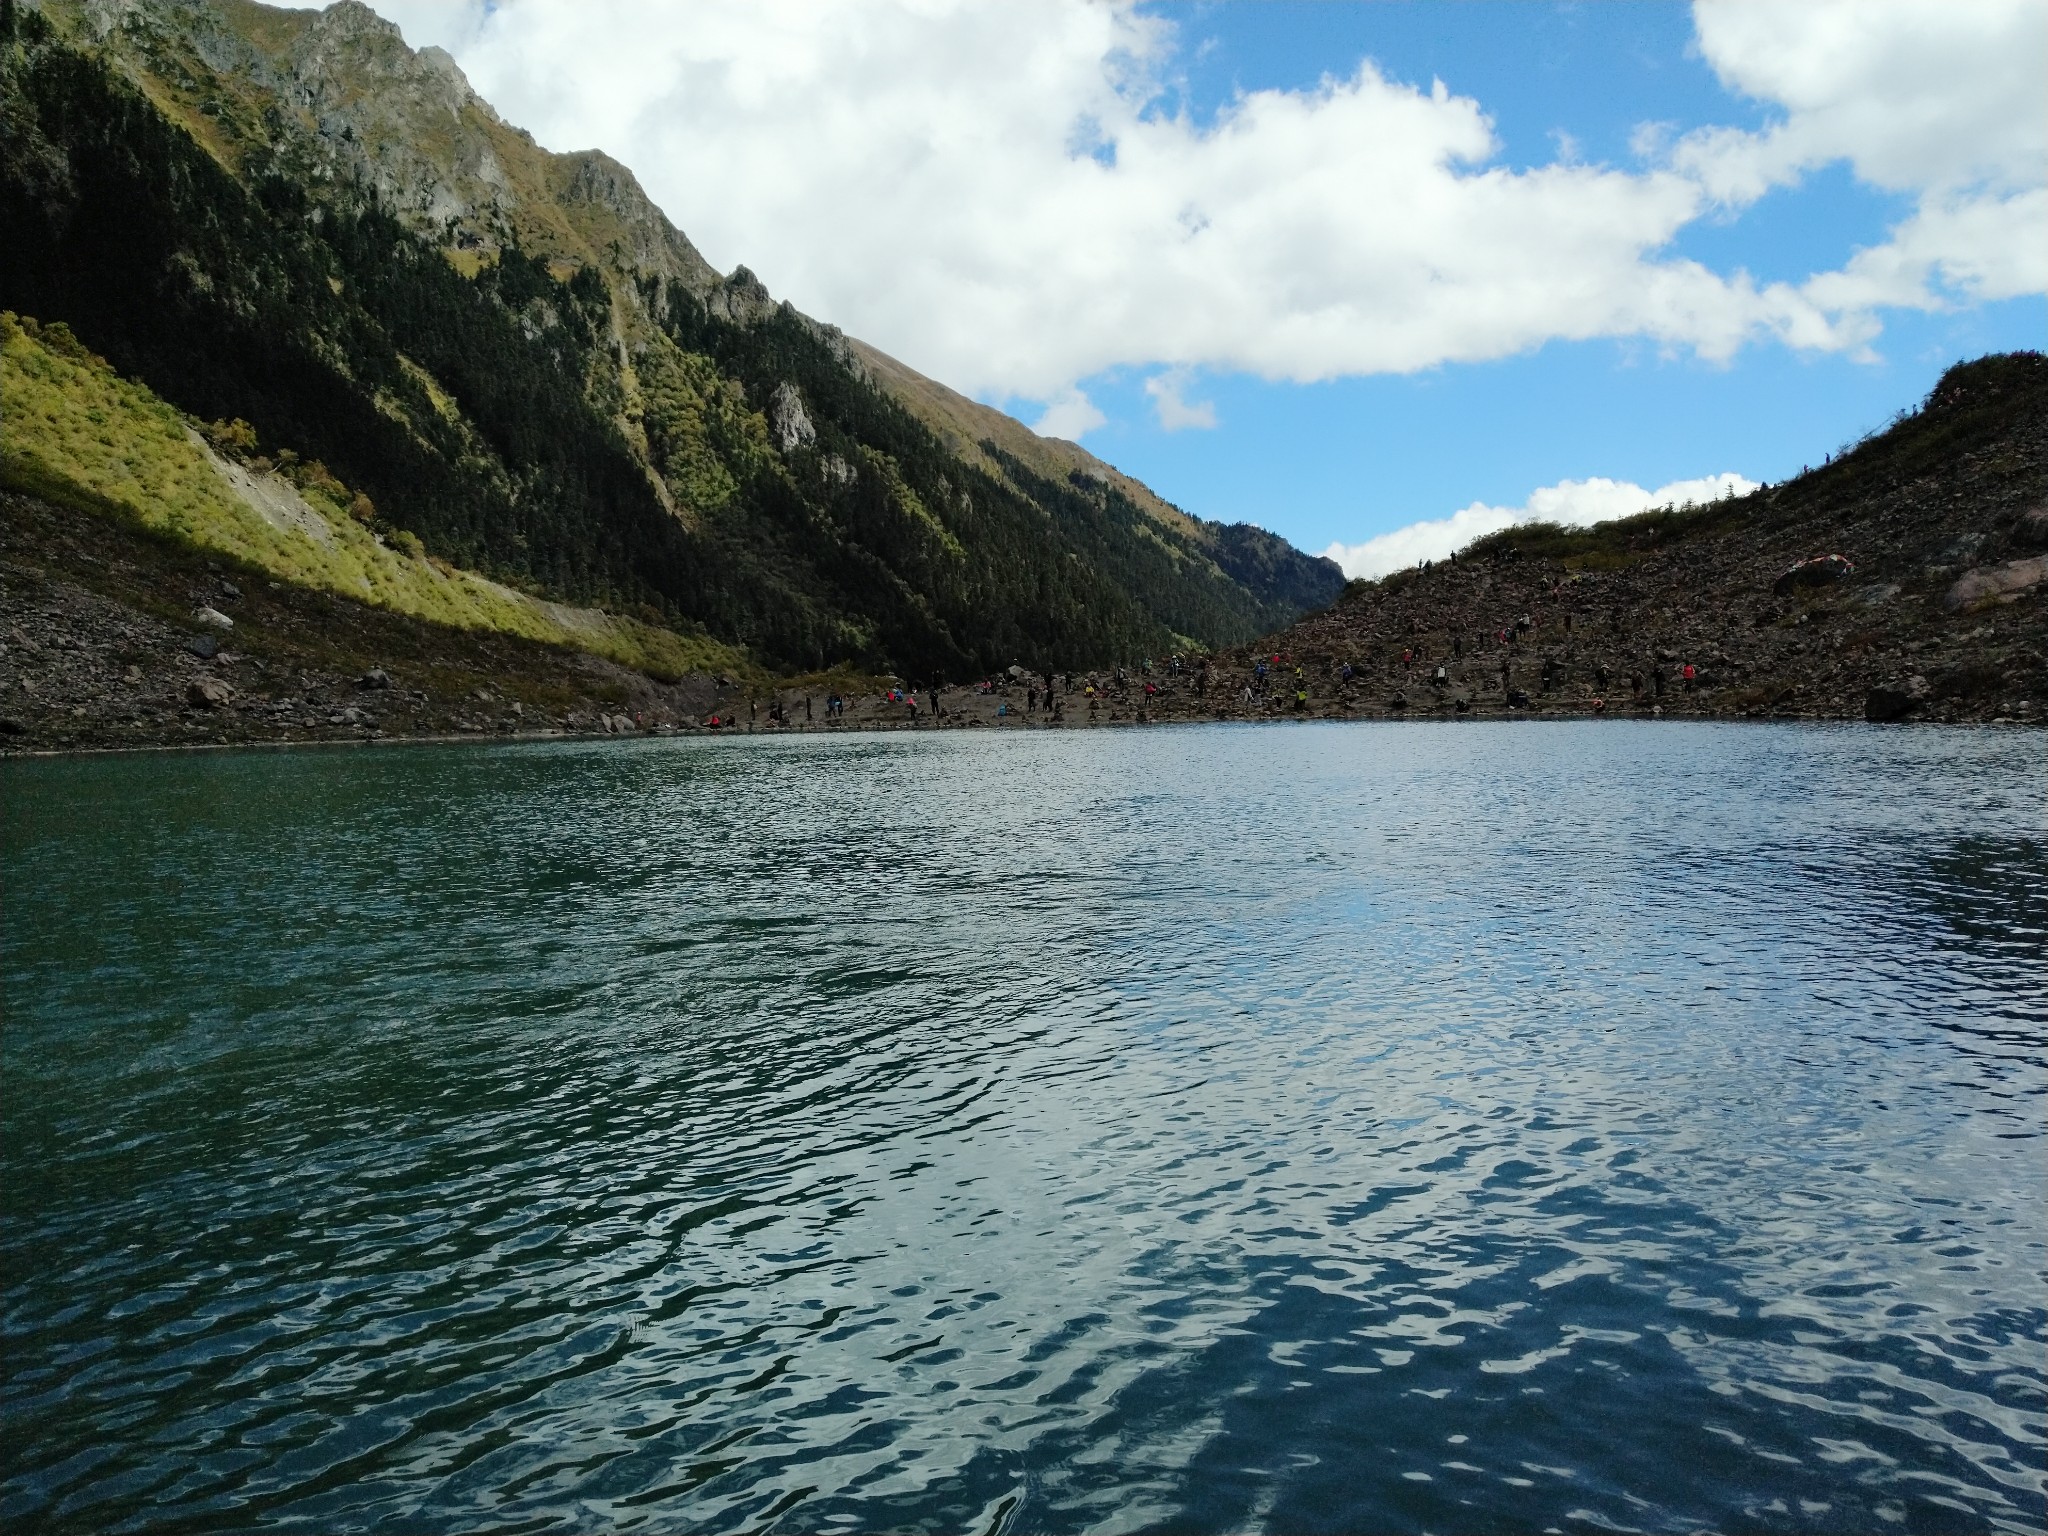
x,y
1657,680
1689,675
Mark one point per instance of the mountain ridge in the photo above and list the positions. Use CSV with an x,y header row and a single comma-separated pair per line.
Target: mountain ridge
x,y
566,394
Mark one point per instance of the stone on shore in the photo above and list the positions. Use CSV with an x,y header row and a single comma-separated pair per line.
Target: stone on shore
x,y
1996,581
1894,700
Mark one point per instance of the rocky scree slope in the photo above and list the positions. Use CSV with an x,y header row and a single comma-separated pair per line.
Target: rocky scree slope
x,y
100,649
1937,608
292,219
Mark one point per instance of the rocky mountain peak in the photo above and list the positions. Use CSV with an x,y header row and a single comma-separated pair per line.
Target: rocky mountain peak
x,y
354,103
741,298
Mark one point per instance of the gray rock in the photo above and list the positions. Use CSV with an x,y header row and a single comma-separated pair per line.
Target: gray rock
x,y
209,693
1817,572
212,618
203,646
2033,528
1894,700
788,419
376,677
1962,550
1876,595
2003,582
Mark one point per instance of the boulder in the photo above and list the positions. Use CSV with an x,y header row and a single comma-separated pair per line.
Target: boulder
x,y
203,646
209,693
212,618
1817,572
376,677
1894,700
2032,531
2002,582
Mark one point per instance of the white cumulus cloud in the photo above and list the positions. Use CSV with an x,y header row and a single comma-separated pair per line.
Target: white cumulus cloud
x,y
1574,503
1943,100
1069,414
1004,195
1175,412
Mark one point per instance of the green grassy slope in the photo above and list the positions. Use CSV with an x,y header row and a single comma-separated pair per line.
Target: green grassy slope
x,y
78,434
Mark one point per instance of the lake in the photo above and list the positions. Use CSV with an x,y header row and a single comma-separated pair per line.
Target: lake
x,y
1598,1126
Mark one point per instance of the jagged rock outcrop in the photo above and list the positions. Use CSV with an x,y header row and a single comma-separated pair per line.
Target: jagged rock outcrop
x,y
741,298
788,420
355,103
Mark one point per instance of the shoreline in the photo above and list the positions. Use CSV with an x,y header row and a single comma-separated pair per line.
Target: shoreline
x,y
883,728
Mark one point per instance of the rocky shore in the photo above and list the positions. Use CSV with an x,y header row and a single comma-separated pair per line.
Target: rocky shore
x,y
116,639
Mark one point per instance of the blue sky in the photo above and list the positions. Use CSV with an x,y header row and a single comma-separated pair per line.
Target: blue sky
x,y
1378,276
1345,460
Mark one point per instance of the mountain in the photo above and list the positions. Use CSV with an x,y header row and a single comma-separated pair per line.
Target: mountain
x,y
1905,577
292,221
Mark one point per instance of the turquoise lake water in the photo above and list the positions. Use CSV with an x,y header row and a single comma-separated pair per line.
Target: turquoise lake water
x,y
1598,1126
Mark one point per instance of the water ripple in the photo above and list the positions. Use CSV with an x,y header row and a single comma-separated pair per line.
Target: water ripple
x,y
1303,1129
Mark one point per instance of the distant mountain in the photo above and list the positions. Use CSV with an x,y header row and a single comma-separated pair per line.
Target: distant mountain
x,y
292,219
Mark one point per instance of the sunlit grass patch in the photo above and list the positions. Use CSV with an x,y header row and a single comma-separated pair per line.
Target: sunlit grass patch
x,y
80,435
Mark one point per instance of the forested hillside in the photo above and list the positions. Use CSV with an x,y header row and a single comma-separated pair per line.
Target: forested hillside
x,y
266,216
